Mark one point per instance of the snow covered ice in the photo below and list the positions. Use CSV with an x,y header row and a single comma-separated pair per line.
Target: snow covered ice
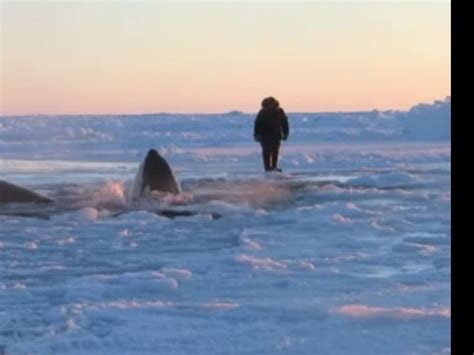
x,y
346,252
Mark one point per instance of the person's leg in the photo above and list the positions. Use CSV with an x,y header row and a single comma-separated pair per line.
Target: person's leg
x,y
275,151
266,155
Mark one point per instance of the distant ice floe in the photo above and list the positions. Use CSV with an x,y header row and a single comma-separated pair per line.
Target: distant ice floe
x,y
262,263
131,304
389,179
364,311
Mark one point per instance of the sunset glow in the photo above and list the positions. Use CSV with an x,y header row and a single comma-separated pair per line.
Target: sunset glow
x,y
126,57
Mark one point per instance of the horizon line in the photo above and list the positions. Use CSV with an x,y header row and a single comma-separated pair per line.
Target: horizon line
x,y
227,112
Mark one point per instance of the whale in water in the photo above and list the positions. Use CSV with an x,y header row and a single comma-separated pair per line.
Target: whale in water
x,y
154,174
11,193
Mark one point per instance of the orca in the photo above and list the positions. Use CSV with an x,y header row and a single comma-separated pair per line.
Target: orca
x,y
154,174
10,193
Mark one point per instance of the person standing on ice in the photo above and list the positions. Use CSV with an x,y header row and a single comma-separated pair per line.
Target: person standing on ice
x,y
271,126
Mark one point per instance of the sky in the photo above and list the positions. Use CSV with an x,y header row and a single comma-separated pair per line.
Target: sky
x,y
118,57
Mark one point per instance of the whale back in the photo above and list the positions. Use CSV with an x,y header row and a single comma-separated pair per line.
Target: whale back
x,y
10,193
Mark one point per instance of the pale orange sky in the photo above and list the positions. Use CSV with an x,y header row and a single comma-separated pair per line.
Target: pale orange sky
x,y
138,57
